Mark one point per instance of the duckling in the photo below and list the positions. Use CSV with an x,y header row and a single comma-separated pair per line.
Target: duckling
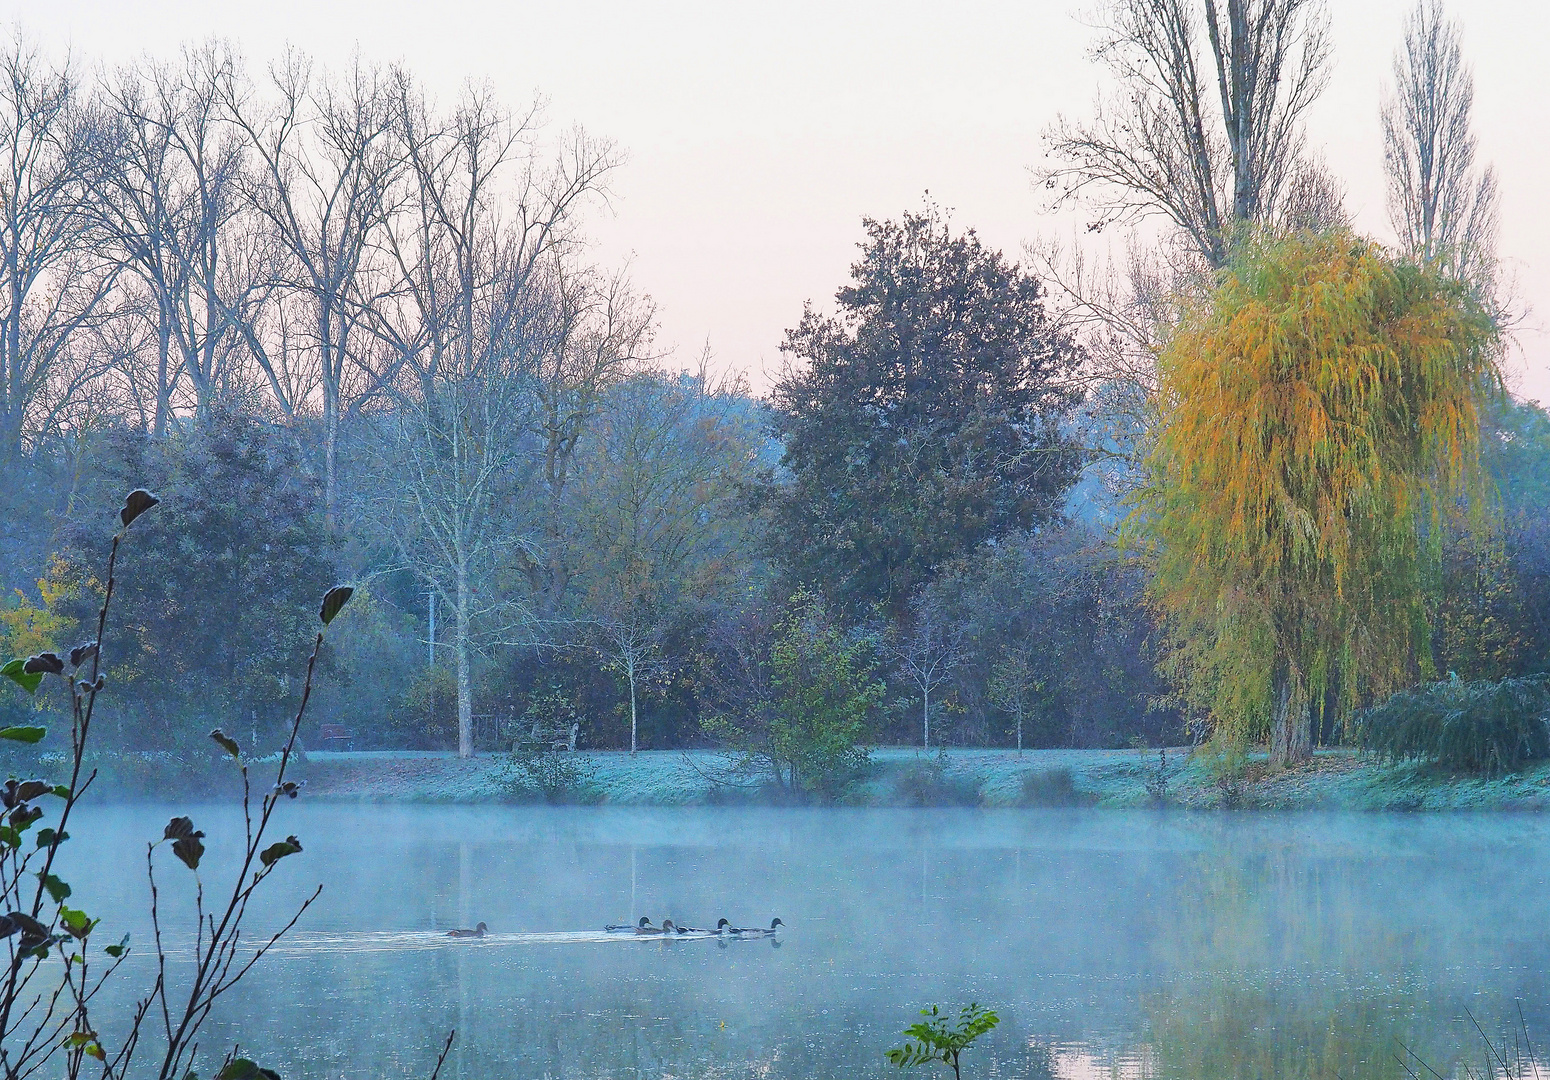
x,y
478,931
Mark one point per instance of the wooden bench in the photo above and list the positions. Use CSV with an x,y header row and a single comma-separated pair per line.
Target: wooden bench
x,y
336,737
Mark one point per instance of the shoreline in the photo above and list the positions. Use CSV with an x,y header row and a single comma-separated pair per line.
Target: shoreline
x,y
902,776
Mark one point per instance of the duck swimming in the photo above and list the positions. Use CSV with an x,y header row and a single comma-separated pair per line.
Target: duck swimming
x,y
478,931
755,931
642,927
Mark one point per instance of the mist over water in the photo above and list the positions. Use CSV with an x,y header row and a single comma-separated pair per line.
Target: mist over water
x,y
1156,944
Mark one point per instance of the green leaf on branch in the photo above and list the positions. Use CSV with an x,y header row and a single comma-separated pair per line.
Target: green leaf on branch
x,y
58,889
333,601
62,790
77,923
940,1039
26,680
10,837
118,950
186,842
227,743
47,837
24,734
277,851
136,503
243,1069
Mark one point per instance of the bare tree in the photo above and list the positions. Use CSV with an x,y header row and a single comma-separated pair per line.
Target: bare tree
x,y
53,279
170,194
605,332
1442,207
455,460
1206,126
486,300
328,162
928,653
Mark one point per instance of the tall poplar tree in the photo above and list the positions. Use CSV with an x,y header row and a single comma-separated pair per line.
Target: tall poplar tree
x,y
1319,416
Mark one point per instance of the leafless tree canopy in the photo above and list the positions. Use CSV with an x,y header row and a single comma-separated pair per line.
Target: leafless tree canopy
x,y
1442,207
1205,122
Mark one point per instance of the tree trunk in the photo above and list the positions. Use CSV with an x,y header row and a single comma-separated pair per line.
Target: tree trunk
x,y
1291,741
629,669
163,380
465,696
330,452
925,719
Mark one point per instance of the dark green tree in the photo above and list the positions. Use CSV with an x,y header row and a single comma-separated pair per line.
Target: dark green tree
x,y
923,419
219,618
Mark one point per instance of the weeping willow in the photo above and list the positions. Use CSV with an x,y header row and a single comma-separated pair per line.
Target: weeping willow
x,y
1319,416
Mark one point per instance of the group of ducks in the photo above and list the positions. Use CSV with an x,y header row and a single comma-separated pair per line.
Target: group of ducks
x,y
668,927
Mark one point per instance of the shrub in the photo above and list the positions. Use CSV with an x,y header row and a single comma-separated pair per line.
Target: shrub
x,y
926,783
1052,787
807,709
1477,726
540,774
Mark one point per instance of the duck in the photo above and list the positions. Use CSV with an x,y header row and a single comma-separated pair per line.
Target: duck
x,y
478,931
642,927
756,931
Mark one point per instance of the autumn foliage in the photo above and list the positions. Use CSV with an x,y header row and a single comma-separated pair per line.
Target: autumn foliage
x,y
1319,419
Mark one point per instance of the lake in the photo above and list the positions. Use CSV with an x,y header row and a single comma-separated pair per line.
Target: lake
x,y
1112,943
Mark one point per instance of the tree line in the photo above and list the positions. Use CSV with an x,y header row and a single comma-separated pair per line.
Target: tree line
x,y
346,330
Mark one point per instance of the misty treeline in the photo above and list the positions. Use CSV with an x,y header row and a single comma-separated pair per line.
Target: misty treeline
x,y
348,331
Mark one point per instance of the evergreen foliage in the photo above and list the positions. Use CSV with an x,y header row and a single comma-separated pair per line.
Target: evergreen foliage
x,y
233,561
921,421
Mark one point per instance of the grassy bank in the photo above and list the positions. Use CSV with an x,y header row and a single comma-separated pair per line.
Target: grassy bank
x,y
905,777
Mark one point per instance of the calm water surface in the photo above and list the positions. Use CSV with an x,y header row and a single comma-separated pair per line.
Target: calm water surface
x,y
1111,943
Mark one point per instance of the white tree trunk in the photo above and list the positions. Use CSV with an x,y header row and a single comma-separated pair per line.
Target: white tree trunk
x,y
465,696
925,718
629,670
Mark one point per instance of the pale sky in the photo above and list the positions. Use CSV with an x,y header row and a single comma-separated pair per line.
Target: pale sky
x,y
758,135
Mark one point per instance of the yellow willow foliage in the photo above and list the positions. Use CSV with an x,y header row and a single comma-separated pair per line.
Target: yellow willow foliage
x,y
1318,415
27,628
